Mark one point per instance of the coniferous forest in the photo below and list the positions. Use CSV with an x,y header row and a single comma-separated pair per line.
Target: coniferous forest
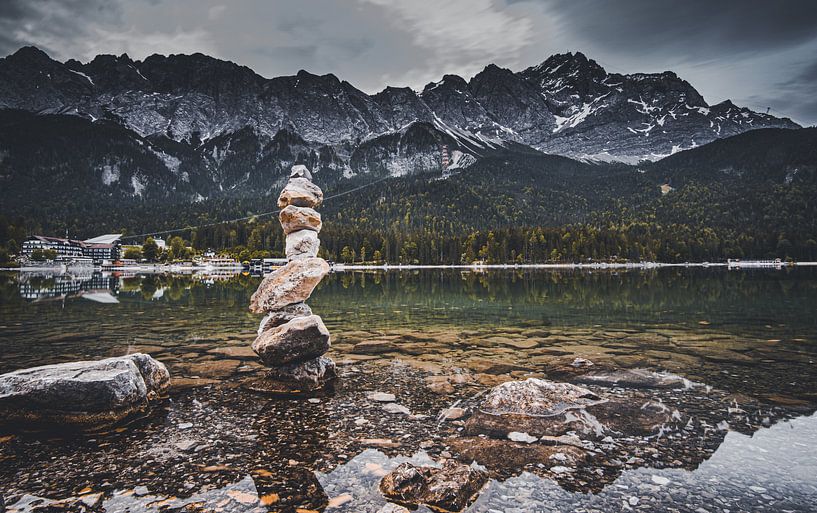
x,y
735,198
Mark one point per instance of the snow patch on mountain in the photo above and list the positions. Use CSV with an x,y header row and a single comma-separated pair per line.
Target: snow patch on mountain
x,y
110,173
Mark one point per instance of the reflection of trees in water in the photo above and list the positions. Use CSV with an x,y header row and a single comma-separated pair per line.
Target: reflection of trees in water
x,y
670,292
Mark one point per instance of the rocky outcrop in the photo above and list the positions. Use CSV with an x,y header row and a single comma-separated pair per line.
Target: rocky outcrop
x,y
83,395
288,285
300,339
539,409
291,340
450,487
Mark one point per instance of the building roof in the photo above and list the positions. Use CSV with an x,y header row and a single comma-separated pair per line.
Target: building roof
x,y
109,238
44,238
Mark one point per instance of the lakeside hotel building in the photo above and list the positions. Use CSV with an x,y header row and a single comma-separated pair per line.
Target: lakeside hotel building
x,y
105,248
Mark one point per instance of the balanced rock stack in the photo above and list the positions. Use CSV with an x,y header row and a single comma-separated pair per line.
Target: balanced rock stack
x,y
291,340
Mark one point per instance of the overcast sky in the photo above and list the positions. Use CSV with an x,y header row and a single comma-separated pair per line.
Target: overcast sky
x,y
759,53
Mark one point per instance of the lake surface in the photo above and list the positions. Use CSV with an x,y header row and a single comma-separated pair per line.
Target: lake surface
x,y
746,341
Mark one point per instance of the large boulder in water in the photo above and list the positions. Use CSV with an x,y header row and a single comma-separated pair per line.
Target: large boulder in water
x,y
537,408
82,395
300,192
301,339
292,283
448,488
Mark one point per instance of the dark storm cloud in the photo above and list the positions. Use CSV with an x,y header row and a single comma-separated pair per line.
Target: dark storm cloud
x,y
757,52
697,29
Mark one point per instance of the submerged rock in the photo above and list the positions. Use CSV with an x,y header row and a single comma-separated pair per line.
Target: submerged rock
x,y
450,488
300,192
536,397
546,409
302,244
284,315
307,376
299,218
83,395
298,340
288,285
635,378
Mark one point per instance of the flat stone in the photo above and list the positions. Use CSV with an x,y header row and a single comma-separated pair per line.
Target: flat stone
x,y
284,315
507,456
299,218
374,347
381,397
288,285
453,413
83,395
450,487
234,351
300,192
396,408
301,339
213,368
635,378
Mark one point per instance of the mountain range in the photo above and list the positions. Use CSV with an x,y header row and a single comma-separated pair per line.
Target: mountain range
x,y
219,128
191,139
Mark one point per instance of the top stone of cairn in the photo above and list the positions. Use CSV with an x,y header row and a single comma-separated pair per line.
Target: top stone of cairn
x,y
300,171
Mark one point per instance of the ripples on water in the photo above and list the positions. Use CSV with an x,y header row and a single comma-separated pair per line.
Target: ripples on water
x,y
432,337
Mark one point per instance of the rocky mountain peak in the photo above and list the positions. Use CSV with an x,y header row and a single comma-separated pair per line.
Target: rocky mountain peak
x,y
566,105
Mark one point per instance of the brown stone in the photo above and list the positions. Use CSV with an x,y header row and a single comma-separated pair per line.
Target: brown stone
x,y
300,218
449,488
508,456
300,192
288,285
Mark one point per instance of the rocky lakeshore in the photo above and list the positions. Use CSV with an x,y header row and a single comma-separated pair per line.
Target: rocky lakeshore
x,y
219,445
558,416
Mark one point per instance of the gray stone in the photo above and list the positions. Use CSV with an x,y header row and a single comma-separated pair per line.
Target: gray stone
x,y
284,315
300,171
302,244
381,397
396,408
84,395
298,340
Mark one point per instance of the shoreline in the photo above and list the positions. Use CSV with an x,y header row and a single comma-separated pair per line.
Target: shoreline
x,y
337,267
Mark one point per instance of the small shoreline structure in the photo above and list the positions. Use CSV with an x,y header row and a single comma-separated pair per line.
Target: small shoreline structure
x,y
291,340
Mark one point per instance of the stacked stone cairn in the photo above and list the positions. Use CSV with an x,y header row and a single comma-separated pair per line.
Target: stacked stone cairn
x,y
291,340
